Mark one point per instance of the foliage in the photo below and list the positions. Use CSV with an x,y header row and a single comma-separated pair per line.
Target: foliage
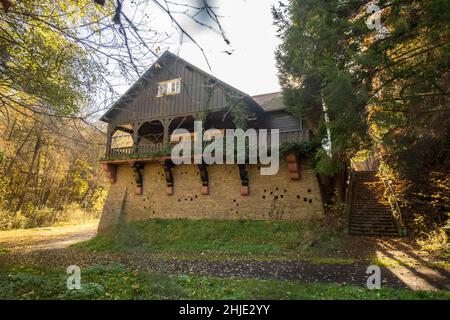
x,y
329,57
319,46
215,236
307,149
70,214
322,163
116,282
435,241
208,93
164,152
47,80
43,173
43,70
238,110
9,221
384,88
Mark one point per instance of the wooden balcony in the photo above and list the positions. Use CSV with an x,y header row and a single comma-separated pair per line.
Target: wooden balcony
x,y
296,136
131,152
156,151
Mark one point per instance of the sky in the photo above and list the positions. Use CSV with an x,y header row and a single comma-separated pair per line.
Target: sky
x,y
248,25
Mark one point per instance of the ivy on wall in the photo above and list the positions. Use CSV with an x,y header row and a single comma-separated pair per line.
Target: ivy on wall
x,y
307,149
238,110
301,148
164,152
208,93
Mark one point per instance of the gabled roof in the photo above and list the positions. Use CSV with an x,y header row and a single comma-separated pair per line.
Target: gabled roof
x,y
270,101
131,93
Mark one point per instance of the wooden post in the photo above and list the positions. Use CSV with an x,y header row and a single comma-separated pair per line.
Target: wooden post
x,y
136,137
166,125
167,166
109,133
204,177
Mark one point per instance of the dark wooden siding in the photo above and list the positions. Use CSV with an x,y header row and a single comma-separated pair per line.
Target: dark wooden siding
x,y
282,120
146,105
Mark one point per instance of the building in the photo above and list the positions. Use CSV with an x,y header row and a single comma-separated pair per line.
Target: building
x,y
145,183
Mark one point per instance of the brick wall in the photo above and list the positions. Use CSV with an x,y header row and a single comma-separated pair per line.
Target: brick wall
x,y
270,197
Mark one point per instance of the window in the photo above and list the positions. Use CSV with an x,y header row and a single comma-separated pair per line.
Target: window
x,y
169,87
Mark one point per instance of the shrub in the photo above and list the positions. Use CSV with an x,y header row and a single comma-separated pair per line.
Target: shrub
x,y
88,291
435,240
9,220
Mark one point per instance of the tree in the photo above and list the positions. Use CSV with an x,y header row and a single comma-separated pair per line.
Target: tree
x,y
385,77
386,86
55,55
319,76
59,62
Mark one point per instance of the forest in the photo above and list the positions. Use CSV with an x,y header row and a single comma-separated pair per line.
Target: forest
x,y
381,75
48,147
59,70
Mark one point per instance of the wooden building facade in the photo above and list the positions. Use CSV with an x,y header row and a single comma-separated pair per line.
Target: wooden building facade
x,y
172,94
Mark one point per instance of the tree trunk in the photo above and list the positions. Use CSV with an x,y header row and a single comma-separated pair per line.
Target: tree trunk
x,y
29,175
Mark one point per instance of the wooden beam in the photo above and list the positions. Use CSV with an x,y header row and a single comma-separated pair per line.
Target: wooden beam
x,y
167,166
243,174
204,178
126,130
166,124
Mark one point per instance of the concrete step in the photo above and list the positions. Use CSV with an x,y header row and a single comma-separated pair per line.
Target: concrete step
x,y
370,214
369,209
386,215
367,204
373,228
373,234
364,204
373,222
374,219
378,227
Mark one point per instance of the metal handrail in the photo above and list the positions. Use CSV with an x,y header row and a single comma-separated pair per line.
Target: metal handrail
x,y
393,202
348,196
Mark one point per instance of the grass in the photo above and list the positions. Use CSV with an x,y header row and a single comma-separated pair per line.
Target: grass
x,y
408,262
3,250
114,281
183,236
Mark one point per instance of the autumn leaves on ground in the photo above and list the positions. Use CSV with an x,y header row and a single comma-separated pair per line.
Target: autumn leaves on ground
x,y
166,259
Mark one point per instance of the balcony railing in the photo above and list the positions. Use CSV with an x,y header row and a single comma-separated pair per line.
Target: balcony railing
x,y
139,151
298,136
146,150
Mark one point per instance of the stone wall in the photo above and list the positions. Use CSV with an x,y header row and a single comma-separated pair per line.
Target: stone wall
x,y
271,197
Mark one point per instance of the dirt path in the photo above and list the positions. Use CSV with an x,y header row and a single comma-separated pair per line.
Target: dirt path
x,y
29,240
50,247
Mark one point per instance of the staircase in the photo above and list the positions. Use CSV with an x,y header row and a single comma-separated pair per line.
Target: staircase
x,y
370,213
